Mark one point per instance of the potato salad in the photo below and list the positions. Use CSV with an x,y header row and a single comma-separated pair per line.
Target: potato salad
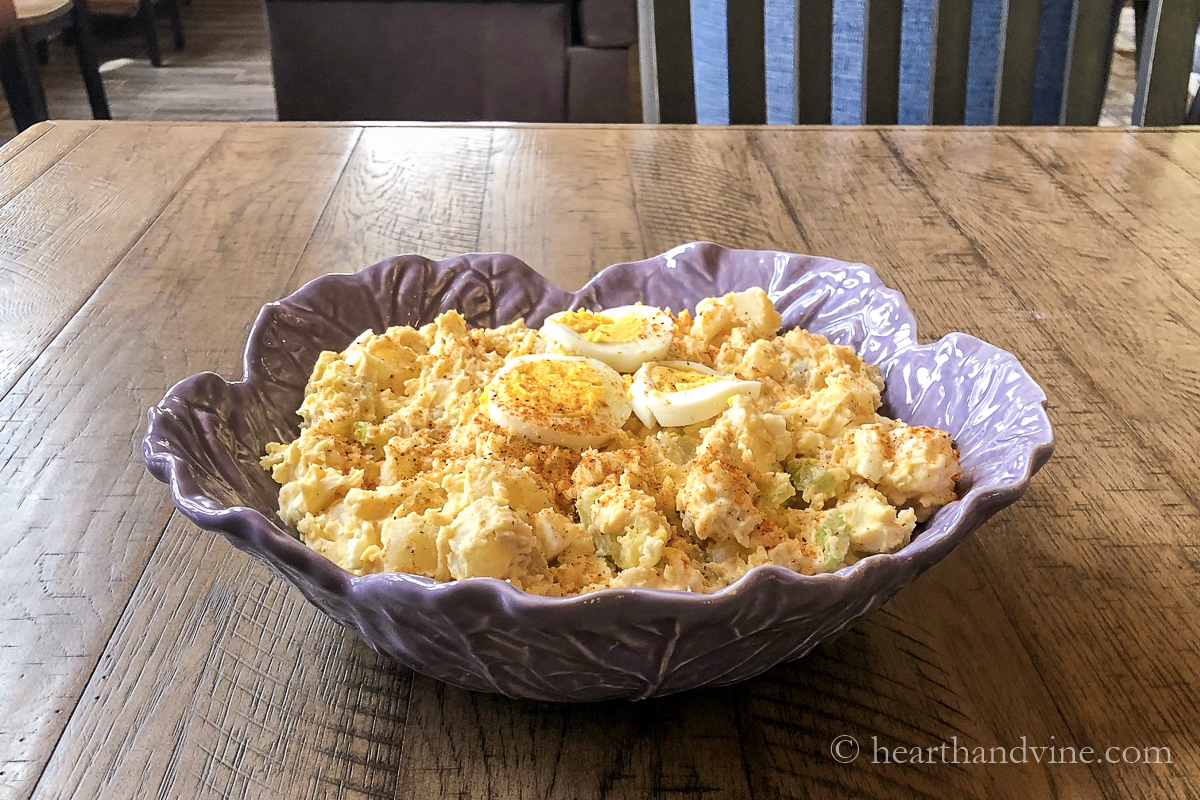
x,y
620,447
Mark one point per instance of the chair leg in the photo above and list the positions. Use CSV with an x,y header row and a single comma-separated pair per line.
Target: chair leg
x,y
35,75
42,48
176,22
150,30
20,81
85,53
1141,9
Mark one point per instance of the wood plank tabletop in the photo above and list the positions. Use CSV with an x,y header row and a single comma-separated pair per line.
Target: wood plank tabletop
x,y
142,657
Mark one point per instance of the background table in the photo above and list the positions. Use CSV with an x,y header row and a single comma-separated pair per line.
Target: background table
x,y
140,656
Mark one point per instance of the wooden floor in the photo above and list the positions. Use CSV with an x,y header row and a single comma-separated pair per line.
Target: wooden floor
x,y
224,72
1118,101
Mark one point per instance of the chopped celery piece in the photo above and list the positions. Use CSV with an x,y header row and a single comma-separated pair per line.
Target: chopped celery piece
x,y
810,478
775,492
606,544
833,537
800,470
366,433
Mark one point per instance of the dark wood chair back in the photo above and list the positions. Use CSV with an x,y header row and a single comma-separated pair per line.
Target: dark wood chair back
x,y
1167,50
668,84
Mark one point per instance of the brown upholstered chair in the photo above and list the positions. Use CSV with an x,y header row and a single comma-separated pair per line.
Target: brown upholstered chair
x,y
532,60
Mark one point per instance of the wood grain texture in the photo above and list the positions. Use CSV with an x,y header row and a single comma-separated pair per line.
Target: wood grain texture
x,y
27,137
78,538
1114,186
884,217
20,172
713,192
89,224
412,190
1068,620
389,199
1139,468
226,671
538,208
847,198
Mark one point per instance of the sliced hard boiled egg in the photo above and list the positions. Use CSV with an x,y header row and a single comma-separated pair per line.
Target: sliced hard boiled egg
x,y
568,401
624,337
677,393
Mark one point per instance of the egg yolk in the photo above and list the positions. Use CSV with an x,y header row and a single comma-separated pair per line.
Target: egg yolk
x,y
603,328
540,389
668,379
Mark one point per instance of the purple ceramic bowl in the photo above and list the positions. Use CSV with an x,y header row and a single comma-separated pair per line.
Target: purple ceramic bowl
x,y
206,436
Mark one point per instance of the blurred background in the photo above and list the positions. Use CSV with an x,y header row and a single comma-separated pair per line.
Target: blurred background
x,y
534,61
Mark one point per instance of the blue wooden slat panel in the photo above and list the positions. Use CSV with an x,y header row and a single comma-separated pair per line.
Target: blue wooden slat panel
x,y
1052,42
916,67
982,59
847,87
712,62
781,49
917,77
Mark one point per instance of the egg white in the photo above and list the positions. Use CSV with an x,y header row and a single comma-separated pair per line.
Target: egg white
x,y
651,345
540,424
654,405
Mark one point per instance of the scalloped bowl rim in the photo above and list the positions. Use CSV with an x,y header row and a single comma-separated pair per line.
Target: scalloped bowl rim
x,y
168,468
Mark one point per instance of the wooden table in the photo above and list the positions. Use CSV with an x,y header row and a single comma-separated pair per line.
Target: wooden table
x,y
142,657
